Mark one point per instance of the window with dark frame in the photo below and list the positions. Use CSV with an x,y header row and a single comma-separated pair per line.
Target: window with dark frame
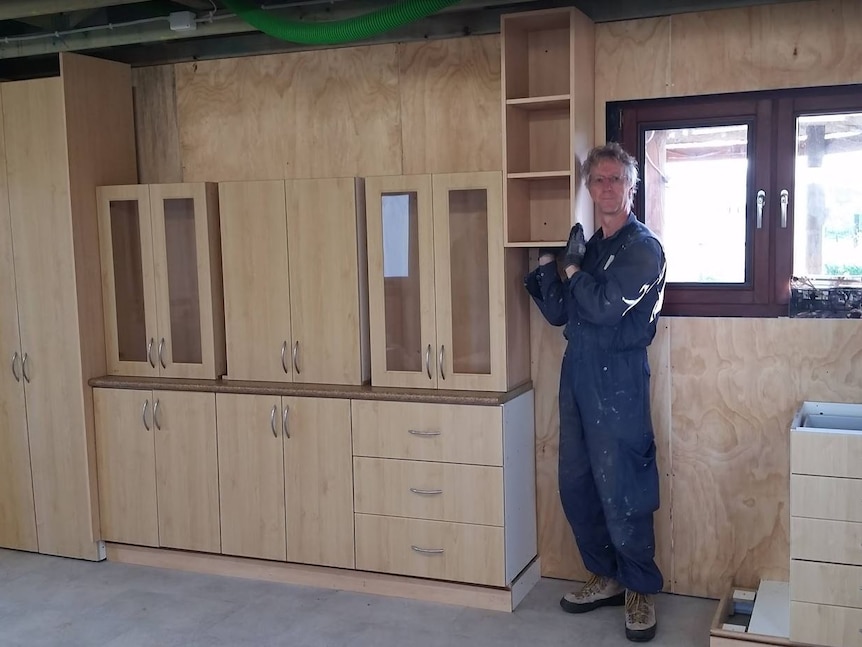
x,y
749,193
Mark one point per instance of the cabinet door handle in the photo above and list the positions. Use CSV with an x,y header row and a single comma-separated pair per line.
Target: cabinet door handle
x,y
144,414
24,370
156,415
284,422
283,363
440,361
428,492
419,432
272,420
428,361
428,551
150,352
14,366
161,350
295,353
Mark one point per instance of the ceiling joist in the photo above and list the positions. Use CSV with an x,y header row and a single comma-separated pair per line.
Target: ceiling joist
x,y
17,9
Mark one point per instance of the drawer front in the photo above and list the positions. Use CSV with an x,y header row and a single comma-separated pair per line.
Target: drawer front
x,y
428,432
825,497
826,454
819,624
819,540
431,549
421,490
819,583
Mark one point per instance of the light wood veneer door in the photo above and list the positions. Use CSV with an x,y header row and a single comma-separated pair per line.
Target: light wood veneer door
x,y
322,234
128,279
469,281
187,470
401,281
318,483
45,272
183,274
253,222
126,463
17,512
251,476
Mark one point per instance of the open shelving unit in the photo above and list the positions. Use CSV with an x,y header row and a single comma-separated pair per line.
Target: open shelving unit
x,y
548,61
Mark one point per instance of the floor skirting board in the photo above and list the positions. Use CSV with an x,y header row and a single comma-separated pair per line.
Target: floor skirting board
x,y
466,595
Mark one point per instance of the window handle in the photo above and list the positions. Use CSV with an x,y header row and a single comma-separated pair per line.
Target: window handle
x,y
785,198
761,200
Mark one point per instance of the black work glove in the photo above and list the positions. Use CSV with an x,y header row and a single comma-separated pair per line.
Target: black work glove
x,y
576,247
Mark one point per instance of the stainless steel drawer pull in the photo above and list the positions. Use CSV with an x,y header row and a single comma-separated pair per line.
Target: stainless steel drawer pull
x,y
272,420
15,372
283,363
418,491
428,551
418,432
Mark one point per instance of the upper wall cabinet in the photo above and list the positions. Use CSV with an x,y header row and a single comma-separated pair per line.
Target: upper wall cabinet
x,y
443,292
294,280
161,280
548,124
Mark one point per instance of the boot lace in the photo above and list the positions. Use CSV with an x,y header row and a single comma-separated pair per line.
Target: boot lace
x,y
637,608
593,585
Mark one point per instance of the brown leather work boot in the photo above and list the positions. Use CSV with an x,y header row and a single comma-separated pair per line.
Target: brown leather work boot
x,y
640,617
598,592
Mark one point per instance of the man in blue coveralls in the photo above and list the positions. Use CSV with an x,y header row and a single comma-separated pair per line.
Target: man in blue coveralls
x,y
609,304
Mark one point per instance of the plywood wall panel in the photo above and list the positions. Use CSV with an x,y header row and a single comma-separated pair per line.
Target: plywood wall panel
x,y
660,399
632,61
736,384
450,105
322,113
156,130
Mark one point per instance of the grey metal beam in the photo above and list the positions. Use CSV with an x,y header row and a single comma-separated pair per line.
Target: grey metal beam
x,y
12,9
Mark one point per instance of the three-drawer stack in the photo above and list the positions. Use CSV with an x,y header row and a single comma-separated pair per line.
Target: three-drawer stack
x,y
445,491
826,525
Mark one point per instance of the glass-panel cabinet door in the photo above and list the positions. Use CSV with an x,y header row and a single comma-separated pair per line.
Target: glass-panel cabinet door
x,y
128,282
470,287
401,280
182,266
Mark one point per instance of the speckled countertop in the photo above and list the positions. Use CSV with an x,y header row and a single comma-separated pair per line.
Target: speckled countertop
x,y
483,398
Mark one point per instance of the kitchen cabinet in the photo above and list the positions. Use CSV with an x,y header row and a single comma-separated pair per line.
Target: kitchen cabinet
x,y
447,304
158,468
61,138
284,472
547,70
445,491
826,524
295,270
161,280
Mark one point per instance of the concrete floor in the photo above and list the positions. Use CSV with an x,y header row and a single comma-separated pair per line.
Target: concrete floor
x,y
48,601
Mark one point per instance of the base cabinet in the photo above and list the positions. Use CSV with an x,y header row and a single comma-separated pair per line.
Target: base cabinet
x,y
445,491
158,468
285,490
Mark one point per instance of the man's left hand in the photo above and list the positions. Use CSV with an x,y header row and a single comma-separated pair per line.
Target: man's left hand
x,y
576,247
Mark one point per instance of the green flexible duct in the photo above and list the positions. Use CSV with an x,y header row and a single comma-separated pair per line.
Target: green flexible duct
x,y
336,31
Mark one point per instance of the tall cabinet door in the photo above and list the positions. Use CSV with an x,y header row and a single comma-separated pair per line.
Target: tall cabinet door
x,y
253,224
401,281
38,180
128,279
251,475
470,285
181,244
324,255
17,514
318,489
187,470
126,461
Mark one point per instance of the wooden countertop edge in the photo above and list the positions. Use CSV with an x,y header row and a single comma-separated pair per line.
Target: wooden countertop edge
x,y
364,392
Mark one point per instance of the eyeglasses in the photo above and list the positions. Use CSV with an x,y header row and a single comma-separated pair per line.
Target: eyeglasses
x,y
603,181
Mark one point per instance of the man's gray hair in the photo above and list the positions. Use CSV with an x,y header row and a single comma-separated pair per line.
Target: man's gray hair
x,y
611,151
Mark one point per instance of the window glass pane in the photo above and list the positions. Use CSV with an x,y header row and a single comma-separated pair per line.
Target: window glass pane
x,y
695,185
128,281
827,201
185,314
